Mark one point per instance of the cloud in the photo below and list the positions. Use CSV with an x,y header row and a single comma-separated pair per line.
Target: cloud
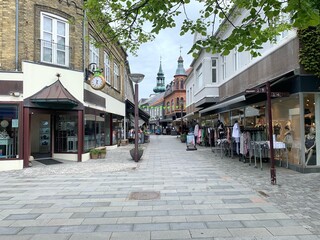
x,y
167,46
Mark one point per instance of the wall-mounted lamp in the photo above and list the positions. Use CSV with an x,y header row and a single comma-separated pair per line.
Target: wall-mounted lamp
x,y
91,70
15,94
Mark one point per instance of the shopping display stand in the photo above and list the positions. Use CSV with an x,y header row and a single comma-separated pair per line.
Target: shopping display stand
x,y
191,145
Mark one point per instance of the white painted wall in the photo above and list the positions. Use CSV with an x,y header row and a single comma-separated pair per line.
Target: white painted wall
x,y
245,60
36,77
11,165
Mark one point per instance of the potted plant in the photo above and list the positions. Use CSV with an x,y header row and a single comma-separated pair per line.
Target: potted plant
x,y
140,153
102,153
94,153
183,137
146,136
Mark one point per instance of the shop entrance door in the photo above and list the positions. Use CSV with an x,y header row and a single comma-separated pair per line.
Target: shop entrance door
x,y
40,136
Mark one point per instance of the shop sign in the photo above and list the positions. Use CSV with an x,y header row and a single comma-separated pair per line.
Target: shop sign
x,y
264,90
280,94
256,90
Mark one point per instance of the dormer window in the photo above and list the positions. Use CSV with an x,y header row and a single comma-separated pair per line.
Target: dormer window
x,y
54,39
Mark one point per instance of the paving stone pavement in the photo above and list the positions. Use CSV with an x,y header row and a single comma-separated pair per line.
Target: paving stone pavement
x,y
195,195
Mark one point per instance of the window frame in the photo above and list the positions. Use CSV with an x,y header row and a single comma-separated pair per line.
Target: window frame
x,y
94,52
224,66
107,67
55,19
214,68
199,76
116,76
236,59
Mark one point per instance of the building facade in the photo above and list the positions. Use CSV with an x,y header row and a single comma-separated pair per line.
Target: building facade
x,y
174,97
48,107
272,88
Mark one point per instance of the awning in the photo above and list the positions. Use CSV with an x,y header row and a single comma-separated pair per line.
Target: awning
x,y
54,96
188,115
142,114
223,104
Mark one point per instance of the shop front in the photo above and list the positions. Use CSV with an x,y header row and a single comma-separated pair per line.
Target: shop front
x,y
295,120
10,147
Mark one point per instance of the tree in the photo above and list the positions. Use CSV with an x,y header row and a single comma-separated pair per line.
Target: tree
x,y
134,22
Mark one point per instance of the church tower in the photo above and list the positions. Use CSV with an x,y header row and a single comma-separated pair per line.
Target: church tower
x,y
180,70
160,81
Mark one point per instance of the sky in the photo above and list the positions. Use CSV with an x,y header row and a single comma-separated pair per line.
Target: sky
x,y
167,46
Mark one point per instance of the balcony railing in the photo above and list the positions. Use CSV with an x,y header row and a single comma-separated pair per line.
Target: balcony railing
x,y
54,53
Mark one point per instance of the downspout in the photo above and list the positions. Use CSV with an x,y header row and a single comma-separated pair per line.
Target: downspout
x,y
83,41
17,35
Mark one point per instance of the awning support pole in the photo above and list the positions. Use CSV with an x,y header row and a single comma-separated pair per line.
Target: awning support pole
x,y
272,168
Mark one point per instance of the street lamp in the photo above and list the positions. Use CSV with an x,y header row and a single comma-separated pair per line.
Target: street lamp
x,y
136,78
181,107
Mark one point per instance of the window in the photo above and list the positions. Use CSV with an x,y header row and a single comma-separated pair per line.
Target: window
x,y
54,39
188,97
181,83
93,52
116,77
199,76
9,131
107,71
168,107
236,59
65,132
224,67
181,103
214,69
172,105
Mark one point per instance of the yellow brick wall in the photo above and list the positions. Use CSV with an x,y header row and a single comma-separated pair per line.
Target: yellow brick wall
x,y
29,30
29,36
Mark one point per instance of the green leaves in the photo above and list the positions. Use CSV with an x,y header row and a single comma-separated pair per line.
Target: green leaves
x,y
134,22
310,49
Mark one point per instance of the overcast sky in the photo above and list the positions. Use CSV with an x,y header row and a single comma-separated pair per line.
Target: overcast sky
x,y
167,46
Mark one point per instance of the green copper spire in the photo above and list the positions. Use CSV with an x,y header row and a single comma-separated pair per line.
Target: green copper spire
x,y
180,70
160,81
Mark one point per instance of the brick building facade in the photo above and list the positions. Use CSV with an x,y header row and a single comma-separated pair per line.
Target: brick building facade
x,y
47,105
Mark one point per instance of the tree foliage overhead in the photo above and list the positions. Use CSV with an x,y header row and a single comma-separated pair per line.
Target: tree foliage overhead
x,y
134,22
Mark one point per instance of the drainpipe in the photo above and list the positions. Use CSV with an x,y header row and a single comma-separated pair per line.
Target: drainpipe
x,y
83,40
17,34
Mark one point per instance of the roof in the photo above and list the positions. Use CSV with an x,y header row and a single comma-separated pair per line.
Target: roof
x,y
142,114
54,96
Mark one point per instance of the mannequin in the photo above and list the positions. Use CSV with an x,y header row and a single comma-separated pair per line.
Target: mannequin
x,y
196,133
220,129
310,144
236,135
288,138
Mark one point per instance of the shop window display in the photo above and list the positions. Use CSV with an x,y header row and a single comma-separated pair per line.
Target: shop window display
x,y
117,129
66,133
94,129
310,146
286,127
9,131
309,104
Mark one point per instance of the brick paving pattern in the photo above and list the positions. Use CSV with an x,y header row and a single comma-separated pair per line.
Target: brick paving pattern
x,y
178,194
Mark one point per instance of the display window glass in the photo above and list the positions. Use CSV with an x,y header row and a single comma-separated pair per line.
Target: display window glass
x,y
311,104
225,118
237,114
94,129
9,126
66,133
117,129
286,127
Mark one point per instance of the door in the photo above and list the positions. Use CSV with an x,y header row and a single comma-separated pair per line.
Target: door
x,y
41,136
